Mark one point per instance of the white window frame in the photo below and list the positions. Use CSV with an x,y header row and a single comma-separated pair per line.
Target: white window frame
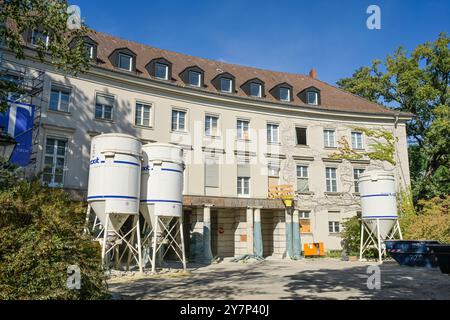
x,y
355,142
143,106
356,177
329,180
60,90
327,143
90,48
55,158
241,184
103,107
252,84
199,83
242,129
166,68
178,112
33,38
230,81
288,94
335,226
210,118
304,175
270,133
315,101
127,56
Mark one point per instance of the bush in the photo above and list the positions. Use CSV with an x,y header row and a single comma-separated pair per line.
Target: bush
x,y
40,236
351,238
432,222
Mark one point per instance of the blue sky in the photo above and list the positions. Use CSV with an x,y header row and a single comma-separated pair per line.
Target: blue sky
x,y
292,36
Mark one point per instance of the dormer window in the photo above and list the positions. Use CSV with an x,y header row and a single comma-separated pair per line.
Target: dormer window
x,y
161,71
313,98
89,50
125,62
38,37
255,89
285,94
226,85
195,78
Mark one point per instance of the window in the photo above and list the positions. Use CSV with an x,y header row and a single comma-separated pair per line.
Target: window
x,y
178,120
313,98
59,99
301,136
195,78
334,226
305,221
356,174
272,133
302,179
38,37
273,173
242,129
243,179
329,139
211,126
125,62
54,162
255,90
331,180
142,116
226,85
104,107
211,173
89,50
285,94
161,71
357,140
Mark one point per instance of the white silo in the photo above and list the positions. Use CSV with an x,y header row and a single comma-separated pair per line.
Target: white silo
x,y
379,209
114,189
162,195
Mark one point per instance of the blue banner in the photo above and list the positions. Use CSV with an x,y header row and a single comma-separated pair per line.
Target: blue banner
x,y
17,121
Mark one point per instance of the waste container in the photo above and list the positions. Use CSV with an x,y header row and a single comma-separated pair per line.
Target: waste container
x,y
442,254
314,249
413,253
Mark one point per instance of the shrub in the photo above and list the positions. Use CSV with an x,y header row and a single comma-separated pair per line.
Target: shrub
x,y
40,236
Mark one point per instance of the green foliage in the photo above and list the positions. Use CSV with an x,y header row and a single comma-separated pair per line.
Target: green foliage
x,y
49,17
351,235
40,236
431,223
417,83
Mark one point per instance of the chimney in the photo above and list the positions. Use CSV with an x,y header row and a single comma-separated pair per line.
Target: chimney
x,y
313,73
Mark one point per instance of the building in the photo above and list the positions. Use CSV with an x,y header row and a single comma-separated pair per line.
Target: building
x,y
242,129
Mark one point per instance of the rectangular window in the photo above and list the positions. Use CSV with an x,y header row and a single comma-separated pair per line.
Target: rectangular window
x,y
125,62
38,37
334,226
211,126
243,186
142,116
211,173
273,173
89,50
313,98
255,90
356,174
59,99
178,120
104,106
302,179
331,179
305,221
301,136
242,129
54,162
161,71
329,139
195,78
272,133
225,85
285,94
357,140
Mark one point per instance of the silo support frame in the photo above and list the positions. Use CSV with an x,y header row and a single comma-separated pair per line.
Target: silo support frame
x,y
374,239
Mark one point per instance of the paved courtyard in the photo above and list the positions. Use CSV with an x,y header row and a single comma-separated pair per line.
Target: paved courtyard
x,y
277,279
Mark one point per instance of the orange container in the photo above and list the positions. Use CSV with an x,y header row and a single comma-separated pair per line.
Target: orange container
x,y
314,249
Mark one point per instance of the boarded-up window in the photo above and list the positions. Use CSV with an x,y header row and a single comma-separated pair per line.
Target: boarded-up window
x,y
211,173
305,221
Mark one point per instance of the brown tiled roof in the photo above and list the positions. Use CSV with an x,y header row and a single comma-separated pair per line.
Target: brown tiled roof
x,y
332,98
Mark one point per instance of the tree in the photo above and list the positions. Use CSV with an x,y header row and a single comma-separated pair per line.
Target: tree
x,y
417,83
65,49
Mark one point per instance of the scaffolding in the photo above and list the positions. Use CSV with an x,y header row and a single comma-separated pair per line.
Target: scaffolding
x,y
30,84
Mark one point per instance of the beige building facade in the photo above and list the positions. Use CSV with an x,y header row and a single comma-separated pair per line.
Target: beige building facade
x,y
235,146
